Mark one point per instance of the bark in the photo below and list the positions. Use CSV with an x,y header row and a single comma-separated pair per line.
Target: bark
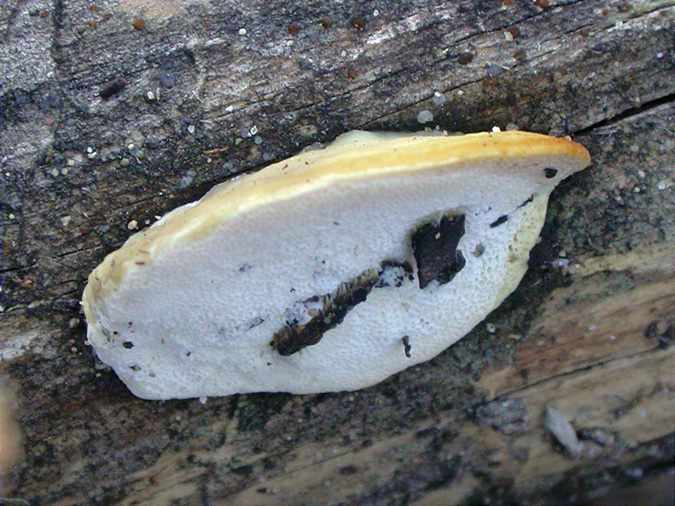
x,y
115,112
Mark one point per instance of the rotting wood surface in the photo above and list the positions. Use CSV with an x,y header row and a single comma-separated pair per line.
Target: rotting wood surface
x,y
115,112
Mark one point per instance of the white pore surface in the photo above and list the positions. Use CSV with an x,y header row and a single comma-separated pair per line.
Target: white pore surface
x,y
202,315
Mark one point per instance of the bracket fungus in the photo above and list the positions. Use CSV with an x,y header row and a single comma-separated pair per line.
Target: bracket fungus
x,y
329,271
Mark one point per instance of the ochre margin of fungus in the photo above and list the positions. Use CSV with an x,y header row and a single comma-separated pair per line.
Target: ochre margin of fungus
x,y
359,155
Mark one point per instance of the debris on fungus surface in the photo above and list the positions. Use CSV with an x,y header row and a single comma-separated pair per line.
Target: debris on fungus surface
x,y
328,271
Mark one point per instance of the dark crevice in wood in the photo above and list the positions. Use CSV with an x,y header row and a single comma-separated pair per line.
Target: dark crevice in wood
x,y
627,114
79,250
16,269
57,23
577,370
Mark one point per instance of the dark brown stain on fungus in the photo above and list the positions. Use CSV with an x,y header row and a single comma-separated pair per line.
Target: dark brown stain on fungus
x,y
499,221
438,259
255,322
295,336
550,172
435,249
406,346
527,201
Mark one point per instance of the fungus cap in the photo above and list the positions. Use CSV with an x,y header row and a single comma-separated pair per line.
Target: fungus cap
x,y
328,271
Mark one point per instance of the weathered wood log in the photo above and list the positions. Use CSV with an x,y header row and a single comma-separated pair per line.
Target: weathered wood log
x,y
114,112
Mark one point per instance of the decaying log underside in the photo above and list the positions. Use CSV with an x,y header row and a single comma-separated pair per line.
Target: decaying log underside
x,y
114,112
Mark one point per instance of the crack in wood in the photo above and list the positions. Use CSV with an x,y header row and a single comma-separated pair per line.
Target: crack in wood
x,y
576,371
627,114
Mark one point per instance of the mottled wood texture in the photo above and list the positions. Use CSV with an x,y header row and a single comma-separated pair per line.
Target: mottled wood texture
x,y
192,100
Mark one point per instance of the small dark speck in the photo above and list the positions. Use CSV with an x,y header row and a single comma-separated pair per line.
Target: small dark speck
x,y
128,345
499,221
406,346
359,24
325,23
245,267
261,490
135,368
336,223
292,290
131,323
140,263
116,333
293,28
347,470
465,58
188,353
550,172
112,88
269,363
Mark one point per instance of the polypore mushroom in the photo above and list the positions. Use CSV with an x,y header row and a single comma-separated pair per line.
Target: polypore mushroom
x,y
328,271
